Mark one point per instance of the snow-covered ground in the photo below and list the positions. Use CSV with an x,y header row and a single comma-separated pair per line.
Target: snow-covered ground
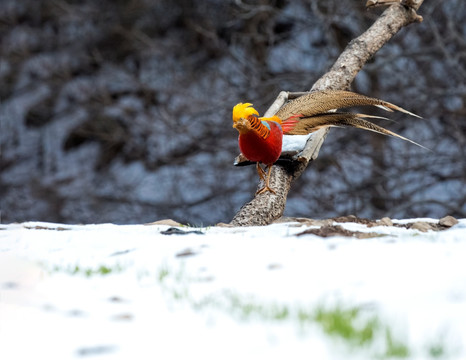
x,y
132,292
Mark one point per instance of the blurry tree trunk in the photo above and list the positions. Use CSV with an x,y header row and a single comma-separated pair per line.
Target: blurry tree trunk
x,y
267,207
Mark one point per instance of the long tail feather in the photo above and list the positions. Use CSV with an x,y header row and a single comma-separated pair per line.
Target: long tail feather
x,y
319,102
307,125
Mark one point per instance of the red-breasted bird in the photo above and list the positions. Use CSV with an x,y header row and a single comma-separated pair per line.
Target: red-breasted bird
x,y
260,139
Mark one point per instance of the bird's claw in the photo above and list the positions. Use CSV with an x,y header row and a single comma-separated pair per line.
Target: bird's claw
x,y
265,189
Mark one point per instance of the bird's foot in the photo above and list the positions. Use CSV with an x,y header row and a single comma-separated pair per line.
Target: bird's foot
x,y
265,189
260,171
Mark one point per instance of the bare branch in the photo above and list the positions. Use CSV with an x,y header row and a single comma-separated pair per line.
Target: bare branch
x,y
267,207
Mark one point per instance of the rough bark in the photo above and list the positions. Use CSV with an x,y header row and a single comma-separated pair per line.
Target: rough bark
x,y
267,207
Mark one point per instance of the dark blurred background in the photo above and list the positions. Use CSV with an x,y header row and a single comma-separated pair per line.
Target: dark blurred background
x,y
120,111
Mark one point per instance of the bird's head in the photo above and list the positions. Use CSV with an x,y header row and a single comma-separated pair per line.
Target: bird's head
x,y
241,113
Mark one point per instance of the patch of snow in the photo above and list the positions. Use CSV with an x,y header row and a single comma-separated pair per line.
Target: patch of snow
x,y
293,143
176,296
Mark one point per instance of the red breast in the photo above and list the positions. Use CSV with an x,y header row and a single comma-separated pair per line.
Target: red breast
x,y
258,149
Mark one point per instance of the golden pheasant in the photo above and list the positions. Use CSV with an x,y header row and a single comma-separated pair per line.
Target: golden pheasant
x,y
260,139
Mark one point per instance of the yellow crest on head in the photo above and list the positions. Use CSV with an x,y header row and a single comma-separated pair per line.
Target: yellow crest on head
x,y
243,111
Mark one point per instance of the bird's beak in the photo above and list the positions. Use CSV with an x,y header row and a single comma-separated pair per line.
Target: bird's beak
x,y
242,125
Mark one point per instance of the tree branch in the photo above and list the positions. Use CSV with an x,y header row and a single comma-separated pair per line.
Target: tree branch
x,y
267,207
